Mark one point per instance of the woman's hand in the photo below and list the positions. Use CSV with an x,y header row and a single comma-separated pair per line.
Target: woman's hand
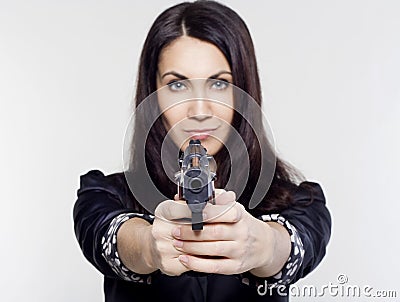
x,y
163,254
232,240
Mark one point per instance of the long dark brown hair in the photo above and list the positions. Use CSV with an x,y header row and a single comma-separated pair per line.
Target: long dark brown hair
x,y
212,22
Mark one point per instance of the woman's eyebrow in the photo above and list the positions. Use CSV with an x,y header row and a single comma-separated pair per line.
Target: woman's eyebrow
x,y
182,77
215,76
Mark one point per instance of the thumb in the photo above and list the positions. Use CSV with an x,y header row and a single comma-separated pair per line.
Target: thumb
x,y
225,198
219,191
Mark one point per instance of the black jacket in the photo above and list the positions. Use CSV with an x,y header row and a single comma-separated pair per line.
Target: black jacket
x,y
101,198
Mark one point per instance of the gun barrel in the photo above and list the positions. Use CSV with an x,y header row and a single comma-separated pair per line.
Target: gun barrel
x,y
196,180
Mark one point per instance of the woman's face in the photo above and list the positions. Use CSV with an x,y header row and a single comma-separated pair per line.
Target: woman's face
x,y
196,98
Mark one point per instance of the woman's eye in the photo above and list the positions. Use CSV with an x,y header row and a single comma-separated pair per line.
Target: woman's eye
x,y
176,85
219,84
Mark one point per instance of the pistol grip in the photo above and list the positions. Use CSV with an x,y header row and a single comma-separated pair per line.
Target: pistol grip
x,y
197,221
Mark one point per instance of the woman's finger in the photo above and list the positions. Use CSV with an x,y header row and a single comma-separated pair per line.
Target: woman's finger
x,y
173,210
219,191
231,213
225,197
208,248
210,232
225,266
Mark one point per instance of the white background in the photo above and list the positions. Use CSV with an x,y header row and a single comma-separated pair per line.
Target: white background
x,y
330,73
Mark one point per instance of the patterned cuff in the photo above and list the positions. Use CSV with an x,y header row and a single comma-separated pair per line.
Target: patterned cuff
x,y
291,267
110,253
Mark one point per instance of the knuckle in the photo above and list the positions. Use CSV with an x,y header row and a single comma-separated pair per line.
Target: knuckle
x,y
241,253
161,208
155,232
169,268
158,210
159,249
218,248
241,265
164,266
216,268
244,234
168,212
240,206
237,214
239,210
217,231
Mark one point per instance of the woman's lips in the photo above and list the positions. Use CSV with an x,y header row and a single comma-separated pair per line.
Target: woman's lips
x,y
200,134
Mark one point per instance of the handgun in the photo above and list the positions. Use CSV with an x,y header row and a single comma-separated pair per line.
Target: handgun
x,y
195,180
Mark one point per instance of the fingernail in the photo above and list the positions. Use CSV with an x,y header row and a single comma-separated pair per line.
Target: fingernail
x,y
178,243
183,258
177,232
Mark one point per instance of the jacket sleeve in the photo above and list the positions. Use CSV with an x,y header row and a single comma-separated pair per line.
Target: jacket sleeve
x,y
312,220
98,203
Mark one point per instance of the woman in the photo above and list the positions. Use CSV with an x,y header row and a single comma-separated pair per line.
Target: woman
x,y
200,59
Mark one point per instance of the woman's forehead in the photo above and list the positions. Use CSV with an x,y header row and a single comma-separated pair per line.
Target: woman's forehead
x,y
192,57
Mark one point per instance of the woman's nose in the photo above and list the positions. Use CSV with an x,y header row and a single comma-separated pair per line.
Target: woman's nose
x,y
200,109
